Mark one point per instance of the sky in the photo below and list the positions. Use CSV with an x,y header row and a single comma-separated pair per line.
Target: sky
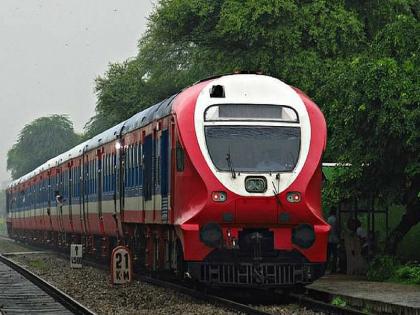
x,y
51,51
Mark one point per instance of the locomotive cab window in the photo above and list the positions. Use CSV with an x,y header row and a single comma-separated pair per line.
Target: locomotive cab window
x,y
254,112
253,148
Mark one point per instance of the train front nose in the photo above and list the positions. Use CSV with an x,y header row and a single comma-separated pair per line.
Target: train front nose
x,y
256,211
249,257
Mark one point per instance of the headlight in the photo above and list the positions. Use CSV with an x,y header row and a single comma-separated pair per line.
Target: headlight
x,y
303,235
211,235
294,196
218,196
255,184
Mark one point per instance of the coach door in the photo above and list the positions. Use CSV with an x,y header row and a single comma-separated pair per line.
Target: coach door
x,y
79,178
148,185
70,194
85,194
119,205
49,201
99,185
164,175
60,200
118,178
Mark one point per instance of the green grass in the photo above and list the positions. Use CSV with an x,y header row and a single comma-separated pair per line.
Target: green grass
x,y
3,228
338,301
390,269
38,264
407,274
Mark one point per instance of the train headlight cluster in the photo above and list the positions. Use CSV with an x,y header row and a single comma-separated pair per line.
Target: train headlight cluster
x,y
218,196
211,234
303,235
255,184
294,197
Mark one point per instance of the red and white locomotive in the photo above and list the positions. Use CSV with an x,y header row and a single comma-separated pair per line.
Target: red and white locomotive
x,y
221,182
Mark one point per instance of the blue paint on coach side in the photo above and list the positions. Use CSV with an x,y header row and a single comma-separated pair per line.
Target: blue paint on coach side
x,y
164,162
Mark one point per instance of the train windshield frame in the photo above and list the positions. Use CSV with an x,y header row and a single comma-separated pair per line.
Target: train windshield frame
x,y
251,112
253,149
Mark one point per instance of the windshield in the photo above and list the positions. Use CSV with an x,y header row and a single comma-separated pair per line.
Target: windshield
x,y
253,148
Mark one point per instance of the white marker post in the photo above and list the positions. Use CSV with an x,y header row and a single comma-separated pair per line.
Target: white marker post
x,y
121,265
76,254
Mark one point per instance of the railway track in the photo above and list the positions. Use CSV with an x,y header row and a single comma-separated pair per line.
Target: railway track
x,y
6,238
59,296
204,296
232,304
214,297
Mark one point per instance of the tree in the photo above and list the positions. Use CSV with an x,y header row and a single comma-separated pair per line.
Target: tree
x,y
189,40
39,141
357,59
373,106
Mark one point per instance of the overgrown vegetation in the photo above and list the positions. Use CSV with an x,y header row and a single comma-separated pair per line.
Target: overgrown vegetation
x,y
339,301
409,274
2,203
38,264
382,268
386,268
3,227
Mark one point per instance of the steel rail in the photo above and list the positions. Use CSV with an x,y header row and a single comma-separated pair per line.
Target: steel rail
x,y
6,238
66,300
202,295
300,299
229,304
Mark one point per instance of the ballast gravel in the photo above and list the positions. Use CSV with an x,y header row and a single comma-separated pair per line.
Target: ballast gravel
x,y
92,288
9,246
290,309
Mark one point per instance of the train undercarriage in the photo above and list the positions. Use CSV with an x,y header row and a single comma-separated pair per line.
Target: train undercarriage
x,y
156,249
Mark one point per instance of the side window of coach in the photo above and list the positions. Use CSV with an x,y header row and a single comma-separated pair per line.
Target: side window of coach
x,y
180,158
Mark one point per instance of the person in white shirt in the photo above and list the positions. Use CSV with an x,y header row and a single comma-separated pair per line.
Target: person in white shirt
x,y
59,199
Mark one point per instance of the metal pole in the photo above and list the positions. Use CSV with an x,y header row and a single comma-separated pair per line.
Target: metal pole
x,y
386,221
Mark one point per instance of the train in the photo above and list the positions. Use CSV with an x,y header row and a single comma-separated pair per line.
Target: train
x,y
220,183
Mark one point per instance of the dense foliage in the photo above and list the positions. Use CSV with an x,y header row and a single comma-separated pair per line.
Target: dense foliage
x,y
358,59
371,101
39,141
189,40
386,268
382,268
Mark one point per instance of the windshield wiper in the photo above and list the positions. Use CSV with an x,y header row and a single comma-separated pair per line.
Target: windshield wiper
x,y
276,189
230,165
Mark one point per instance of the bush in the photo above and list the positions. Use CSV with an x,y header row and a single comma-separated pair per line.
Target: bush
x,y
408,274
382,268
338,301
